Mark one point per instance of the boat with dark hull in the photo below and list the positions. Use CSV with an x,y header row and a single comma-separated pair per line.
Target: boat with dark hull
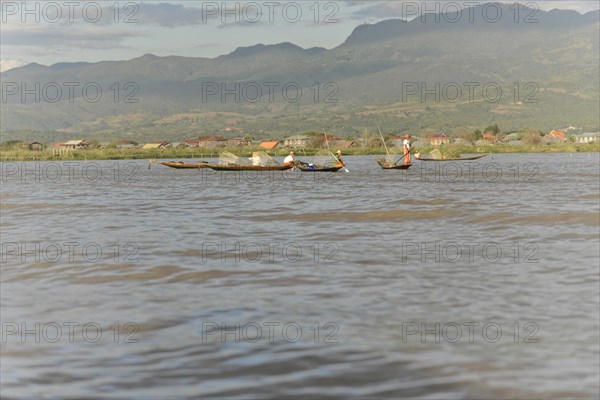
x,y
385,164
318,168
453,158
224,167
181,164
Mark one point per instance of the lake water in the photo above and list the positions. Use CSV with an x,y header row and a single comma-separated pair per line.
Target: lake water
x,y
470,280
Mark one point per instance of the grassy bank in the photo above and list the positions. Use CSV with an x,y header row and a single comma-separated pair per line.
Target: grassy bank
x,y
199,153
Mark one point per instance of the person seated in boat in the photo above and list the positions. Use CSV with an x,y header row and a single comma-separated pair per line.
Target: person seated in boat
x,y
338,159
255,159
418,156
289,160
406,144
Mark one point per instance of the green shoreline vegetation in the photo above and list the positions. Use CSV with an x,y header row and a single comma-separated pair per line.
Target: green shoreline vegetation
x,y
246,151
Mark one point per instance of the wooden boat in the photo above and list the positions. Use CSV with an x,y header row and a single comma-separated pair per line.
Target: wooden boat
x,y
181,164
453,159
385,164
226,167
318,168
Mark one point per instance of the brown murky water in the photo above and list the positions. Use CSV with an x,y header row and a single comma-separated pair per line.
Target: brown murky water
x,y
447,281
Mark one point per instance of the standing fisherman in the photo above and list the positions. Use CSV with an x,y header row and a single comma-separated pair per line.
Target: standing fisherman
x,y
407,149
338,159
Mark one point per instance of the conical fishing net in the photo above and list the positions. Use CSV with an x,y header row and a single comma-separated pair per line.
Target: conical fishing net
x,y
231,159
435,154
396,153
262,158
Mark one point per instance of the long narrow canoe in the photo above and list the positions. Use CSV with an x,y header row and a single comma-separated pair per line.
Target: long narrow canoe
x,y
385,164
317,168
223,167
181,164
453,159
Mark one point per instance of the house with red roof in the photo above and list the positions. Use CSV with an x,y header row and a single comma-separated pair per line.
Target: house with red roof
x,y
269,145
439,139
557,134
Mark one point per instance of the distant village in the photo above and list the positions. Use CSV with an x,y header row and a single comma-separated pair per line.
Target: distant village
x,y
487,138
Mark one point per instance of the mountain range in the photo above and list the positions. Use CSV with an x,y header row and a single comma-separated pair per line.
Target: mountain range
x,y
429,73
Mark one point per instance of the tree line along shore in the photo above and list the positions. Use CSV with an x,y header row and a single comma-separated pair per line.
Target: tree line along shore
x,y
246,151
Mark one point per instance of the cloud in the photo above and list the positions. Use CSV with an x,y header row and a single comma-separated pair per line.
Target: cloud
x,y
175,15
207,45
407,9
581,6
166,15
241,24
5,65
169,15
40,37
387,9
96,13
230,14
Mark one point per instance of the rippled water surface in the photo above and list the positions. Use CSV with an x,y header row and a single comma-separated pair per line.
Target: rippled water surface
x,y
449,280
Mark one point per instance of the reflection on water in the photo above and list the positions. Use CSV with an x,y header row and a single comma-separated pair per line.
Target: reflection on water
x,y
448,280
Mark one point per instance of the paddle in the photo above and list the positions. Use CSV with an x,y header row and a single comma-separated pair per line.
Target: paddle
x,y
402,157
337,159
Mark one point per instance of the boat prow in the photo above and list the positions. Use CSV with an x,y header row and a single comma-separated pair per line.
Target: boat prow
x,y
181,164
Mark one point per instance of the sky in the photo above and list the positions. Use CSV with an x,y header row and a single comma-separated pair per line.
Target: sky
x,y
49,32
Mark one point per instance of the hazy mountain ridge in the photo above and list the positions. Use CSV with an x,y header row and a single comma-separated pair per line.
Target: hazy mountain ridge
x,y
473,19
559,54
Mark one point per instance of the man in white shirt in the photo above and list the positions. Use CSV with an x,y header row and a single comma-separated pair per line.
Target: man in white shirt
x,y
407,149
289,160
